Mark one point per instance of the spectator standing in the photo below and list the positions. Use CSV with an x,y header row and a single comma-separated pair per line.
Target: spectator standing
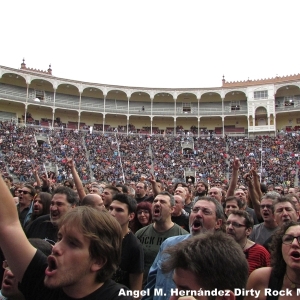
x,y
85,235
177,216
152,236
130,271
207,216
262,231
142,217
63,200
239,225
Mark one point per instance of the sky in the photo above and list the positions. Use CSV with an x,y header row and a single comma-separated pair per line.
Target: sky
x,y
163,44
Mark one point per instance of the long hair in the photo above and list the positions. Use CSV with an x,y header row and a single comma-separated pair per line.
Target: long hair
x,y
46,200
277,262
135,224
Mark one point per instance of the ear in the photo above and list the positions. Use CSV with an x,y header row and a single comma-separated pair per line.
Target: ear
x,y
172,209
218,223
131,216
228,295
98,264
248,231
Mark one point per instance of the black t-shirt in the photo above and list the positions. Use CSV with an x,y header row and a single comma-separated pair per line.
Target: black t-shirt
x,y
132,261
32,285
188,207
182,221
42,228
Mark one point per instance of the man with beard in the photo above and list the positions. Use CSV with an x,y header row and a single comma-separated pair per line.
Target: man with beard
x,y
45,227
41,206
201,190
239,193
82,261
262,231
239,225
152,236
206,216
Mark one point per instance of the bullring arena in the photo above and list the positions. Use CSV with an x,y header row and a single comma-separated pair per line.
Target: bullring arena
x,y
118,133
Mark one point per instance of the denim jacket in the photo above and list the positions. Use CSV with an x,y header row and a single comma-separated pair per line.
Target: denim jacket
x,y
159,285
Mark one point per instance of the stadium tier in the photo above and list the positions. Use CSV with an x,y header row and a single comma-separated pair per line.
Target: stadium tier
x,y
251,107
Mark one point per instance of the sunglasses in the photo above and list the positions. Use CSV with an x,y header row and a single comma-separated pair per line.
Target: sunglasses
x,y
268,206
24,192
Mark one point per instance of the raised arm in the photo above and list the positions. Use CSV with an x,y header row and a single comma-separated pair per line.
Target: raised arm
x,y
234,178
256,182
77,181
256,193
36,176
46,186
16,249
155,187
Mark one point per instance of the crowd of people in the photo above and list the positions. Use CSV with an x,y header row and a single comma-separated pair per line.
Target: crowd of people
x,y
116,157
122,209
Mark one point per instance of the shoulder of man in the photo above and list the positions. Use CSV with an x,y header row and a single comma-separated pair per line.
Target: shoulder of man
x,y
142,230
256,227
41,219
173,240
180,229
36,223
259,249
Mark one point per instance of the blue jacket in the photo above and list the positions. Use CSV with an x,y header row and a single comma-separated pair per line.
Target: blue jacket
x,y
28,216
159,285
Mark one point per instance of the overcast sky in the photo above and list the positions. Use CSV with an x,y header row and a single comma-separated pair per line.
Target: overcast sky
x,y
165,43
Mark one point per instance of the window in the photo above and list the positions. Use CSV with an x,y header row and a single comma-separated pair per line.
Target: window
x,y
186,107
39,94
289,101
261,95
235,105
